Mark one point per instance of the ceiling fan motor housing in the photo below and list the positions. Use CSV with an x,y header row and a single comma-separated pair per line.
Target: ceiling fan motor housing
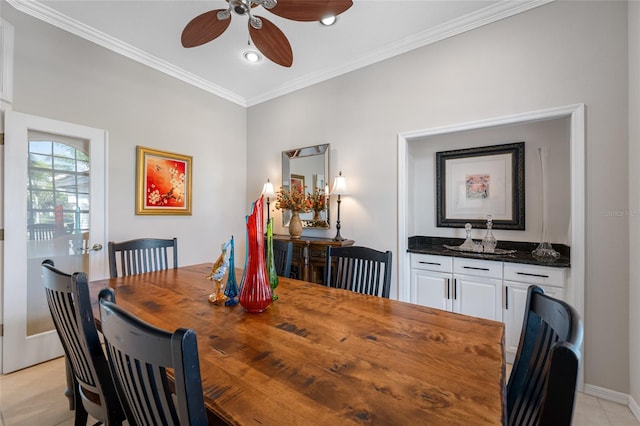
x,y
240,7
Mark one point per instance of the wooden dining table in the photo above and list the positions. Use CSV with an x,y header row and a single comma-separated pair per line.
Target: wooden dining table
x,y
323,356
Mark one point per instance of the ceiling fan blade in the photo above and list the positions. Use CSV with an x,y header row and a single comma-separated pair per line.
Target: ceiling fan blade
x,y
204,28
272,43
309,10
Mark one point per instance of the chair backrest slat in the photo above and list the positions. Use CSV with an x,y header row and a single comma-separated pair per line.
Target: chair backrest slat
x,y
72,314
542,386
142,255
282,257
139,355
359,269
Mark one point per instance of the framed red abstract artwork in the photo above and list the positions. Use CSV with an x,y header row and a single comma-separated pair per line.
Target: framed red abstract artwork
x,y
163,182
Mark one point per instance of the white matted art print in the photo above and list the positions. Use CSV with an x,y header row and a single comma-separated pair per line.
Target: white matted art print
x,y
479,186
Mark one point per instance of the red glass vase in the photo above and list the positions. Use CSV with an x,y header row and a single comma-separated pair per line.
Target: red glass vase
x,y
255,295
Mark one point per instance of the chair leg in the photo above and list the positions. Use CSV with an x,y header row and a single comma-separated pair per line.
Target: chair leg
x,y
70,391
81,414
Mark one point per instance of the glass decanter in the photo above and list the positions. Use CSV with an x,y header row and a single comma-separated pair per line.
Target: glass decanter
x,y
468,242
489,242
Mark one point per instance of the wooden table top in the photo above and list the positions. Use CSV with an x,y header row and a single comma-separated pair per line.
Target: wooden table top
x,y
322,356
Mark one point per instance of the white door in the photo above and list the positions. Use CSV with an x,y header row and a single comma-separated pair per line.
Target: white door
x,y
55,206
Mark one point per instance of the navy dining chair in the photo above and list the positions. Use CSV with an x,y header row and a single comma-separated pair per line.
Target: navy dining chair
x,y
542,386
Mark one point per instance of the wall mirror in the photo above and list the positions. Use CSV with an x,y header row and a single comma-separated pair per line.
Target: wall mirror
x,y
307,168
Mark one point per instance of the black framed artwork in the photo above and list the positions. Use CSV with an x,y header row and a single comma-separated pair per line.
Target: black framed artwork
x,y
475,182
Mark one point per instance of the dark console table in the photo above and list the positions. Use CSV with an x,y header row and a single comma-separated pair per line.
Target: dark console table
x,y
309,255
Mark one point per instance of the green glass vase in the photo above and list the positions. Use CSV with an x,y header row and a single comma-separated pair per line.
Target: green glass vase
x,y
271,264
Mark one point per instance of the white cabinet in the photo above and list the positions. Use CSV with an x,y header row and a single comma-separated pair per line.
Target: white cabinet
x,y
466,286
431,281
517,279
477,288
482,288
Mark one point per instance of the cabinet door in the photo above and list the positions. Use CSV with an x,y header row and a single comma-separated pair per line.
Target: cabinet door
x,y
478,297
515,301
432,289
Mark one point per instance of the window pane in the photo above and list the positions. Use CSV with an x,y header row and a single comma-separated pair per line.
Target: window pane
x,y
42,199
64,164
69,221
40,147
83,166
66,199
83,183
66,181
44,217
84,221
82,156
38,160
83,201
41,179
62,150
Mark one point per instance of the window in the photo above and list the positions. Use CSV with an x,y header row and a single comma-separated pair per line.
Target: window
x,y
58,186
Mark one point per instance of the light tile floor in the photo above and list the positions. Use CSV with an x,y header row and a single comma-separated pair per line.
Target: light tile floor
x,y
35,397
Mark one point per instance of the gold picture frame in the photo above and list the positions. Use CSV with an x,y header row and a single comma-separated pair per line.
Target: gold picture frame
x,y
163,182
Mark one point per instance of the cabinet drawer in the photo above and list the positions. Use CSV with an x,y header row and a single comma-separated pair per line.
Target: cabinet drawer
x,y
317,254
535,274
298,252
431,262
477,268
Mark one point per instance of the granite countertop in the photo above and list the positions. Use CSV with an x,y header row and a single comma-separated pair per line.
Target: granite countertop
x,y
435,245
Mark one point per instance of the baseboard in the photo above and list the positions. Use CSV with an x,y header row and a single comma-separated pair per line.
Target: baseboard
x,y
634,407
608,394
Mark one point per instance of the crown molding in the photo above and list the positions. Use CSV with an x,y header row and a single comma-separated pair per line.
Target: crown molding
x,y
485,16
449,29
55,18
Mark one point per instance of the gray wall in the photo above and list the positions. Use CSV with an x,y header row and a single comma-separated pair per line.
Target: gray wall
x,y
558,54
634,201
60,76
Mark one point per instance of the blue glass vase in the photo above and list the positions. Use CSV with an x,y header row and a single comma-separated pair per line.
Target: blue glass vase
x,y
231,290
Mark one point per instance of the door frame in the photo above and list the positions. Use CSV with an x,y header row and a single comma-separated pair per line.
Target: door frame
x,y
18,350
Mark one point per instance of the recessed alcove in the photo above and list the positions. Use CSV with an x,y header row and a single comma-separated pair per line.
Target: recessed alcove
x,y
553,134
561,129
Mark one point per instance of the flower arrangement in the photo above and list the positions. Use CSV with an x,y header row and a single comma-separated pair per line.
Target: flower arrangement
x,y
294,200
318,200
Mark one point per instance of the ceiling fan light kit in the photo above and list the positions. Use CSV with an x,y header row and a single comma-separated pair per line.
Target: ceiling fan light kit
x,y
252,56
266,36
327,21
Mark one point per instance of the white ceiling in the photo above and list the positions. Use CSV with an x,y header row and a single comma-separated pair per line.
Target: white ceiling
x,y
149,31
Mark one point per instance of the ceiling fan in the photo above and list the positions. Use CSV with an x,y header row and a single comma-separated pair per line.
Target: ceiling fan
x,y
266,36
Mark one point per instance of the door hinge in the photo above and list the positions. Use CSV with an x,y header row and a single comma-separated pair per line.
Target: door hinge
x,y
1,138
1,234
1,330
